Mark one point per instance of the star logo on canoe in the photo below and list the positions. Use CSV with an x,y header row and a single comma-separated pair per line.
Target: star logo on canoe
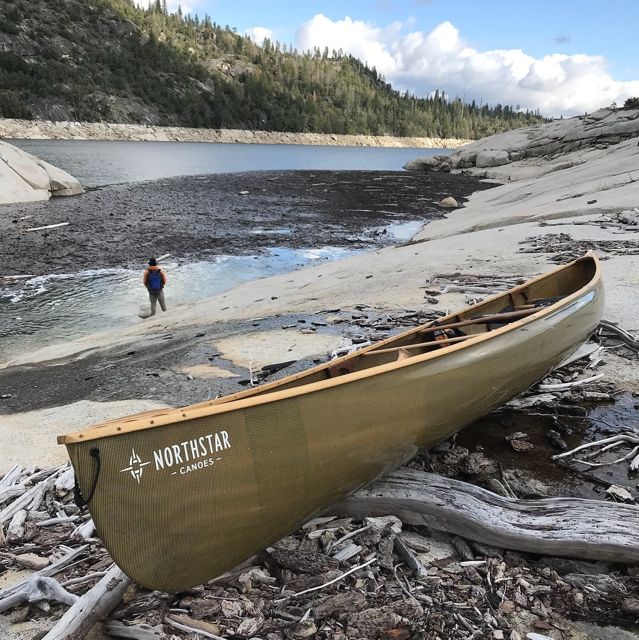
x,y
136,466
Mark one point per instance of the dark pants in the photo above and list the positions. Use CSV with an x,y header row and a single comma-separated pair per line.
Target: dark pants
x,y
155,298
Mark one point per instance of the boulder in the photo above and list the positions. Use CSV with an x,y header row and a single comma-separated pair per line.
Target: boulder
x,y
25,178
629,217
492,158
423,164
60,182
449,203
24,166
467,159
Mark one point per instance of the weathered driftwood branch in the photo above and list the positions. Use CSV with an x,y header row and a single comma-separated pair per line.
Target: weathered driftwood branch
x,y
10,493
117,629
628,339
570,527
49,226
31,499
35,589
91,607
562,386
606,444
70,555
183,627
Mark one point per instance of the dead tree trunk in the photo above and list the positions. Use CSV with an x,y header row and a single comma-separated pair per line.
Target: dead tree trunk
x,y
572,527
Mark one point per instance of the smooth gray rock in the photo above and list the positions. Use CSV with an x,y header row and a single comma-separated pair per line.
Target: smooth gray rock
x,y
423,164
492,158
449,203
25,178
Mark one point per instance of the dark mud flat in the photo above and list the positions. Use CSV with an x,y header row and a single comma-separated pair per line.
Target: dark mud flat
x,y
484,450
200,216
152,370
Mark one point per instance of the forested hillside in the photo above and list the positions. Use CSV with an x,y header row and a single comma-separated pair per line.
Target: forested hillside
x,y
108,60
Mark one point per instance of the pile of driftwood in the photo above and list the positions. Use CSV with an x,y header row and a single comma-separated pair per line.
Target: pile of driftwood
x,y
564,248
476,285
626,220
437,567
44,535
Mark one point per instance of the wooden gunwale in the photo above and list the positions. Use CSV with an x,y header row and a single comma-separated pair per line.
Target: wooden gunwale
x,y
254,397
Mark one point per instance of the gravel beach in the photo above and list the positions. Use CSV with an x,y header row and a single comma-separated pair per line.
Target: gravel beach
x,y
203,216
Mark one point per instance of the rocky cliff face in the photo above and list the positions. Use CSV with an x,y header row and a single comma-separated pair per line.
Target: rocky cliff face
x,y
578,166
551,141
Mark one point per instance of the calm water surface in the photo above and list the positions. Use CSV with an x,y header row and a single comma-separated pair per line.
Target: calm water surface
x,y
96,163
50,309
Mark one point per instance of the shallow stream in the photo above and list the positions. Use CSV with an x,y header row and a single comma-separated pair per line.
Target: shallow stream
x,y
44,310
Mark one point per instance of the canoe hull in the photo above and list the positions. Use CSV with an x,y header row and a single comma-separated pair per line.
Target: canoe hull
x,y
204,494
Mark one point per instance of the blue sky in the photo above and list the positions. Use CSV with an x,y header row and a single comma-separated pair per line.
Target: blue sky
x,y
563,57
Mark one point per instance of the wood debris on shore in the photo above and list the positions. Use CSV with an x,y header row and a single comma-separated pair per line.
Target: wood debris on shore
x,y
356,572
563,247
336,577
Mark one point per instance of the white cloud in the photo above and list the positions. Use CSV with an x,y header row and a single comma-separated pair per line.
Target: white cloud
x,y
440,59
362,40
259,34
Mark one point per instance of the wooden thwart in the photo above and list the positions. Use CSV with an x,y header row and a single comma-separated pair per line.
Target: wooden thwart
x,y
417,345
495,317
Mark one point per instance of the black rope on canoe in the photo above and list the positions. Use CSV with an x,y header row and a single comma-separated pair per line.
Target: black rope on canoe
x,y
78,498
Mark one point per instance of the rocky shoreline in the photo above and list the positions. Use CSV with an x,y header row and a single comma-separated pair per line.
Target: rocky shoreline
x,y
48,130
585,165
198,217
519,229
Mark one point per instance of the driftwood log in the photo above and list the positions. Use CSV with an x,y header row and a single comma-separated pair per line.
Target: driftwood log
x,y
94,605
572,527
25,590
35,589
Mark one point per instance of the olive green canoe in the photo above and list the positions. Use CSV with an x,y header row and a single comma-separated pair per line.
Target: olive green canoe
x,y
181,495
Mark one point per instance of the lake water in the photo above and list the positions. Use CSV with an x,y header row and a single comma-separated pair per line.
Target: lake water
x,y
49,309
95,163
38,311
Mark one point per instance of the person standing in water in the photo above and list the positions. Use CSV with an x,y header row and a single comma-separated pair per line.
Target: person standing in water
x,y
154,281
